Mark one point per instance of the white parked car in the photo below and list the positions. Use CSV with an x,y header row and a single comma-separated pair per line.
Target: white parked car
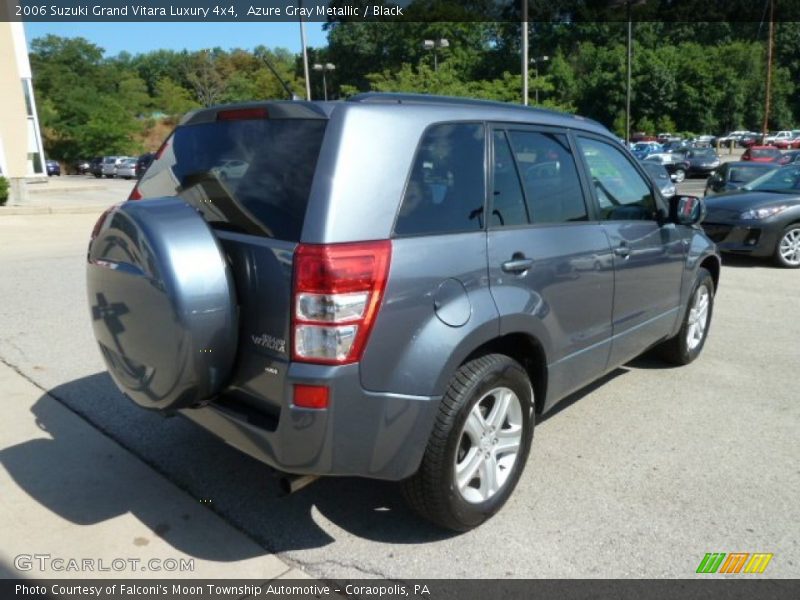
x,y
781,135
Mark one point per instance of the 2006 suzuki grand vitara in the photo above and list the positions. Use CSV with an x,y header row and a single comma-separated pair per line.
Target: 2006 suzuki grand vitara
x,y
392,286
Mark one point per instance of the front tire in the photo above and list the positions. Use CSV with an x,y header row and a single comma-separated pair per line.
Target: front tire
x,y
688,343
478,447
787,250
680,175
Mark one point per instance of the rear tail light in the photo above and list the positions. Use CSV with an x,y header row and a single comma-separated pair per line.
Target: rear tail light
x,y
135,193
163,147
337,291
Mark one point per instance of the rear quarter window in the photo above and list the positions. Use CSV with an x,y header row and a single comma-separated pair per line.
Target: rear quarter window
x,y
446,190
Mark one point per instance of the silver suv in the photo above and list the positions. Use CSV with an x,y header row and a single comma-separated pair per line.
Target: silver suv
x,y
393,286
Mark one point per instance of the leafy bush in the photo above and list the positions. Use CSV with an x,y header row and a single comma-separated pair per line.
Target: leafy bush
x,y
3,190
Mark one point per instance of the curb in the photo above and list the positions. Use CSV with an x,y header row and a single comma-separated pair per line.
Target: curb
x,y
65,190
50,210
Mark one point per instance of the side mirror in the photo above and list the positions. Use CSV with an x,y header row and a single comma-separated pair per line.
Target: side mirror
x,y
687,210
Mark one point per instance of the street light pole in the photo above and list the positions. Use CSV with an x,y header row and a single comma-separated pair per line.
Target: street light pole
x,y
305,55
433,45
628,86
525,52
765,127
536,62
324,68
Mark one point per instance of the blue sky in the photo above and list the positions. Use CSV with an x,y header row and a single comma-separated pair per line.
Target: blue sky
x,y
143,37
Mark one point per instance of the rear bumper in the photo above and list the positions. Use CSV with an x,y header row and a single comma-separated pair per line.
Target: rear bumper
x,y
370,434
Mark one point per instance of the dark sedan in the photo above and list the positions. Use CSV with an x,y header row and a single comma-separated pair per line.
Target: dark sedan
x,y
96,166
735,175
701,161
763,219
143,162
661,178
53,168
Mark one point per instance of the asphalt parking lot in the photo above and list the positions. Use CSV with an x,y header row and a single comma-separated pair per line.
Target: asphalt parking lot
x,y
637,476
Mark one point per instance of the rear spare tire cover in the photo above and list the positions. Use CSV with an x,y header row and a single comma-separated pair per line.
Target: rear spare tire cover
x,y
162,303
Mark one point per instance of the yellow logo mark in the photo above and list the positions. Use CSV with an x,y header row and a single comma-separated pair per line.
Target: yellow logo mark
x,y
758,562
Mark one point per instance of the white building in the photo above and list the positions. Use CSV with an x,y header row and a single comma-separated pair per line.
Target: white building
x,y
21,152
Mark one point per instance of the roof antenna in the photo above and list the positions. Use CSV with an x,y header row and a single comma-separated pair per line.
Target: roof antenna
x,y
289,90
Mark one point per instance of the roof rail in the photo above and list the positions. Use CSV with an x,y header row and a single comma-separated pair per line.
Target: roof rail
x,y
400,98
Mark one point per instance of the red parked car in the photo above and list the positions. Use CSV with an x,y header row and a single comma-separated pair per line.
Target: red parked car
x,y
761,153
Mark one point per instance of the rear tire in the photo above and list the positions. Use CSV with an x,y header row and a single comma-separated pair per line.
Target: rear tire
x,y
688,343
787,250
680,175
479,445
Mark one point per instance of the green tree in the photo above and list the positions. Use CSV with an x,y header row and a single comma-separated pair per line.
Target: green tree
x,y
172,99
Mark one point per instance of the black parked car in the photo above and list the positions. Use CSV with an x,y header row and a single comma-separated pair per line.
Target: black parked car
x,y
96,166
735,175
81,167
53,168
143,162
674,163
674,146
661,177
701,161
762,220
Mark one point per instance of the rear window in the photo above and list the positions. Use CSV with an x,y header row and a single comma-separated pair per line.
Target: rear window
x,y
745,174
252,176
765,152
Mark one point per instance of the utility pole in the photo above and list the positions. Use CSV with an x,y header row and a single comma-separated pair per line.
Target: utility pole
x,y
305,56
525,52
628,85
770,40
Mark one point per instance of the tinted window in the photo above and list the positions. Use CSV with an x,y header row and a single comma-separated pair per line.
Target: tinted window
x,y
622,193
785,179
446,189
656,171
549,177
745,174
247,175
765,152
508,202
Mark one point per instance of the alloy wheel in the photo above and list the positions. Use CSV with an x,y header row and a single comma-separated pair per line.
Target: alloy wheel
x,y
488,446
789,247
698,317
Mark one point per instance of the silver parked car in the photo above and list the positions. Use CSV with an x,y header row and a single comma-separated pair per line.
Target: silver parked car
x,y
126,168
397,286
109,165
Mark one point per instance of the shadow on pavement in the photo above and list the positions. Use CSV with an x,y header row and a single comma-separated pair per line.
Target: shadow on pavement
x,y
740,261
237,487
582,393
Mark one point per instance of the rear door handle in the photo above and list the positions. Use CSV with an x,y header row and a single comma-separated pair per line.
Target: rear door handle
x,y
622,250
517,265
